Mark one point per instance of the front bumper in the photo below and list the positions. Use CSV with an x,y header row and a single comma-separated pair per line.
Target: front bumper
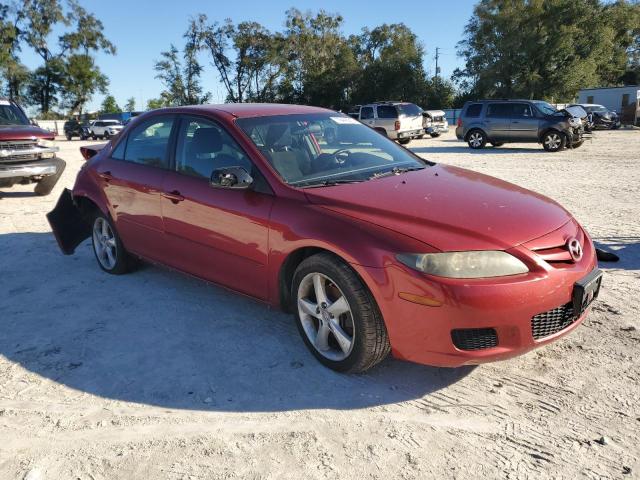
x,y
37,168
437,129
425,334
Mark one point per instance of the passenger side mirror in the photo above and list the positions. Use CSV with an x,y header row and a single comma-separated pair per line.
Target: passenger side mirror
x,y
231,177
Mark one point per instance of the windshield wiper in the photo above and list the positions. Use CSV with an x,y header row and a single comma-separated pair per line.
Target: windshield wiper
x,y
329,183
395,171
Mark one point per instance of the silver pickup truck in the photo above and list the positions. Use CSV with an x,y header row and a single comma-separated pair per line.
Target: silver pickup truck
x,y
27,153
401,121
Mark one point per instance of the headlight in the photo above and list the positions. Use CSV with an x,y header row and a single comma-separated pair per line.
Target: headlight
x,y
45,143
475,264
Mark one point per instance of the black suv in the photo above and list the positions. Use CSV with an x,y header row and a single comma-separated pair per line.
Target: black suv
x,y
508,121
72,128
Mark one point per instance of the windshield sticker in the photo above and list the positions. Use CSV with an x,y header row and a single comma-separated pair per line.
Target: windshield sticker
x,y
344,120
4,102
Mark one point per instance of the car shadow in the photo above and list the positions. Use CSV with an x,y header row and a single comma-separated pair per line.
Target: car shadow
x,y
162,338
17,194
626,247
463,148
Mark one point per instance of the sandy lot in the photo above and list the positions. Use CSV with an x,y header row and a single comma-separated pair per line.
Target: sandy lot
x,y
156,375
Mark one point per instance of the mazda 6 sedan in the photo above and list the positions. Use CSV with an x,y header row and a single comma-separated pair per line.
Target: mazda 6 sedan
x,y
372,248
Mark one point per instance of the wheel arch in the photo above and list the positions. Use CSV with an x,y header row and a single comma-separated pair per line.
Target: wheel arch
x,y
547,130
475,129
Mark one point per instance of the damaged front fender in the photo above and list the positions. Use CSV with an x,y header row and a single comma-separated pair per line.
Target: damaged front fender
x,y
69,224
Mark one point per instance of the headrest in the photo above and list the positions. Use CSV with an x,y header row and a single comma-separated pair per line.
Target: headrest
x,y
278,135
206,140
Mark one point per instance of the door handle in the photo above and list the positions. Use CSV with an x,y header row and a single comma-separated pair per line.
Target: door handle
x,y
106,176
174,196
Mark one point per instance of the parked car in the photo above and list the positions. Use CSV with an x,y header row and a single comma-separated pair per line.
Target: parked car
x,y
72,128
435,122
373,248
506,121
105,129
399,121
600,117
27,152
85,130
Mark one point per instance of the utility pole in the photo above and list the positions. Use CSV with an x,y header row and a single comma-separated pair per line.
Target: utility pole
x,y
437,57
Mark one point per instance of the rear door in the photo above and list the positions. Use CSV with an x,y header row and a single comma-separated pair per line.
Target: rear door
x,y
497,121
132,179
524,124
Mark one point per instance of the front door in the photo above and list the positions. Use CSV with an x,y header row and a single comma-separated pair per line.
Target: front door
x,y
524,124
133,178
217,234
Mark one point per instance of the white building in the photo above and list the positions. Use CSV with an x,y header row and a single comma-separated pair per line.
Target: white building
x,y
624,100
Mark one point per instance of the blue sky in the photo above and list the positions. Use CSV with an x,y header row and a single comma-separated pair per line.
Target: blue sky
x,y
141,29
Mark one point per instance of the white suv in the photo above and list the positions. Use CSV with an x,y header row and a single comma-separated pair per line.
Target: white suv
x,y
105,129
399,121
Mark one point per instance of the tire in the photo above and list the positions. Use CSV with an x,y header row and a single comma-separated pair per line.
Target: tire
x,y
434,135
45,186
420,137
104,239
355,339
69,137
404,141
497,144
476,139
105,136
93,137
577,144
553,141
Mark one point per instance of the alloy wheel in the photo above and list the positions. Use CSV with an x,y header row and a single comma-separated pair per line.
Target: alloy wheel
x,y
553,141
475,139
326,316
104,243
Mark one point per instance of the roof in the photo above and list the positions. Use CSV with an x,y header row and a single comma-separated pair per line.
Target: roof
x,y
242,110
609,88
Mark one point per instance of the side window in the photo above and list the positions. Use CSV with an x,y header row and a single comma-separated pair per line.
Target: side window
x,y
387,111
118,152
147,144
522,110
474,110
366,113
499,110
203,146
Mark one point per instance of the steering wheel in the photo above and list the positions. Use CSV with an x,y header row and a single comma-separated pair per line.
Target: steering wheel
x,y
341,155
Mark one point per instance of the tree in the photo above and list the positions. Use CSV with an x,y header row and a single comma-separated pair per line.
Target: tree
x,y
438,94
182,83
109,105
130,106
544,49
40,19
254,68
392,67
155,103
12,70
81,78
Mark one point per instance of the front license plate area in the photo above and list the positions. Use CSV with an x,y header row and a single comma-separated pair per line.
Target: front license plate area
x,y
586,290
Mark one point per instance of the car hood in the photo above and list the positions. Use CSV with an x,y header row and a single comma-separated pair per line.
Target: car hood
x,y
23,132
448,208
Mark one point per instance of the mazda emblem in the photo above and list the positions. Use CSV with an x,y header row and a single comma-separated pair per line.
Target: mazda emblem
x,y
575,249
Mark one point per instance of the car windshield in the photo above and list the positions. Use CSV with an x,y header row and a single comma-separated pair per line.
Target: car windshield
x,y
597,108
11,115
410,109
322,149
546,108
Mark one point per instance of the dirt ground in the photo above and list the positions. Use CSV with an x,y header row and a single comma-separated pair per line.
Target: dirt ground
x,y
156,375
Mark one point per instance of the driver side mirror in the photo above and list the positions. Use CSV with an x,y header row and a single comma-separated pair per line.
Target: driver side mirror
x,y
230,177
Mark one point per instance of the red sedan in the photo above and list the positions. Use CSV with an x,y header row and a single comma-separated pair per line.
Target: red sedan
x,y
374,249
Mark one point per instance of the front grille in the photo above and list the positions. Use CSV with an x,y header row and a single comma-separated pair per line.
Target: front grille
x,y
552,321
18,145
474,338
557,255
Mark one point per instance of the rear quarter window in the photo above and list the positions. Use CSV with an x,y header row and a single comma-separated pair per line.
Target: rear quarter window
x,y
474,110
387,111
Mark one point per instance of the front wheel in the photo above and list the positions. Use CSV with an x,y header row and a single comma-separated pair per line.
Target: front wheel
x,y
577,144
337,316
435,135
553,141
477,139
108,248
404,141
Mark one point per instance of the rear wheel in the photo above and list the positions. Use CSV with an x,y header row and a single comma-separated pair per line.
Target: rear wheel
x,y
553,141
476,139
404,141
108,248
337,316
69,137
